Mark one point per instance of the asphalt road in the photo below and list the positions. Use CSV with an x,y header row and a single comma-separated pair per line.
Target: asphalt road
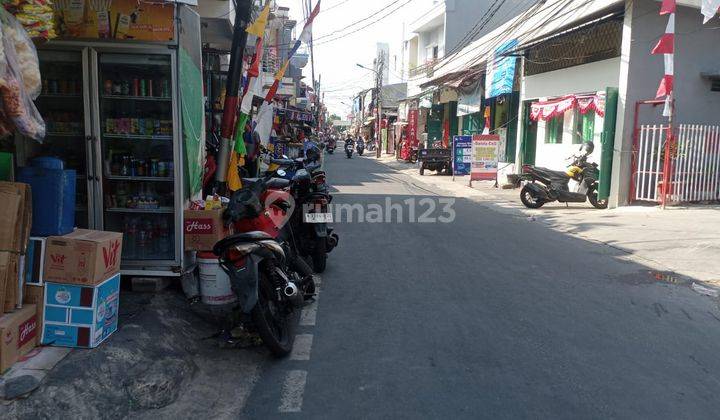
x,y
489,316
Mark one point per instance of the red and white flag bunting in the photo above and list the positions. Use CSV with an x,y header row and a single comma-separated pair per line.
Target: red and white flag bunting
x,y
666,46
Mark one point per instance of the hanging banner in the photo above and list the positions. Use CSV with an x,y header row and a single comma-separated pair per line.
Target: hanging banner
x,y
412,128
462,155
116,19
484,162
500,75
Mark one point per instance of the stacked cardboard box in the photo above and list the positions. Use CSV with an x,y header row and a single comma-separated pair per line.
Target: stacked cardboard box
x,y
15,224
82,288
19,326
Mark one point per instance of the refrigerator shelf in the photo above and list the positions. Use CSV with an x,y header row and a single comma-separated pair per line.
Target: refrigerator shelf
x,y
163,210
60,95
139,178
139,98
136,136
61,134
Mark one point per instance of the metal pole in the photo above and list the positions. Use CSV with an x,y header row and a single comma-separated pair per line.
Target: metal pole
x,y
308,6
232,87
378,102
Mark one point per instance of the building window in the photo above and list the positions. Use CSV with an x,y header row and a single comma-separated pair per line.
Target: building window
x,y
554,129
584,126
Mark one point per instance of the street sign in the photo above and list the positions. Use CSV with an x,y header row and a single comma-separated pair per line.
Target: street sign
x,y
462,154
484,164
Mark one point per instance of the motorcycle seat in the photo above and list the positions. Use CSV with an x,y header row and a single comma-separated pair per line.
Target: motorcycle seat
x,y
553,175
277,183
239,238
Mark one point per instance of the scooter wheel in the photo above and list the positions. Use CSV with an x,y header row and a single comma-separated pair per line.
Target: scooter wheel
x,y
530,199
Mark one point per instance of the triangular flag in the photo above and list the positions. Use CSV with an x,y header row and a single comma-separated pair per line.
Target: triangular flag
x,y
666,86
233,176
666,44
668,6
258,27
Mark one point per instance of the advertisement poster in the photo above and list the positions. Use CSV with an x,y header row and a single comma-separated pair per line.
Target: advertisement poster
x,y
116,19
484,164
462,154
500,71
412,127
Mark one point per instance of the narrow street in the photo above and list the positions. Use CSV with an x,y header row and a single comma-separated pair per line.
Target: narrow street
x,y
486,317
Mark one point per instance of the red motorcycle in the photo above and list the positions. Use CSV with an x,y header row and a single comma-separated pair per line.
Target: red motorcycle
x,y
261,261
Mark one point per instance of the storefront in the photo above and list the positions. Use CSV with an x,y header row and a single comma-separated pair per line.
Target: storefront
x,y
112,87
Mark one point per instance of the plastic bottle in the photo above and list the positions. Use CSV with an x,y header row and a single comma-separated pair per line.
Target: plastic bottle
x,y
164,242
130,239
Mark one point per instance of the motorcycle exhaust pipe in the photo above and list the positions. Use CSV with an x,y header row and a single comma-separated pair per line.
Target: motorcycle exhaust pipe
x,y
292,292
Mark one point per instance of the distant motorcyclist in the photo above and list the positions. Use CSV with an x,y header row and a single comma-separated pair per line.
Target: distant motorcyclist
x,y
360,146
349,146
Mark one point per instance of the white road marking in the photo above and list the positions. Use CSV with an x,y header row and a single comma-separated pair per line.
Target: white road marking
x,y
292,392
302,347
309,312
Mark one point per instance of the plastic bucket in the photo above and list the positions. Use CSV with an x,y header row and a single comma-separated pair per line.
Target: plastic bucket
x,y
215,286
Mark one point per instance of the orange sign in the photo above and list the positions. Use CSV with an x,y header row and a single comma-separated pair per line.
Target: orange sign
x,y
116,19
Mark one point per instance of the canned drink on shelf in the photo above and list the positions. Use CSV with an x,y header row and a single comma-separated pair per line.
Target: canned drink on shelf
x,y
154,167
150,88
136,87
143,88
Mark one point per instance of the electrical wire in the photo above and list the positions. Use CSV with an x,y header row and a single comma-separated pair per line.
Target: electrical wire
x,y
560,10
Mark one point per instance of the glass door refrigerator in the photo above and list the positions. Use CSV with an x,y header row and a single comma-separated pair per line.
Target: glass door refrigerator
x,y
138,174
64,103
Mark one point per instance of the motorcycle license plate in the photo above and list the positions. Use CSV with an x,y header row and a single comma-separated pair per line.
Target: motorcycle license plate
x,y
318,218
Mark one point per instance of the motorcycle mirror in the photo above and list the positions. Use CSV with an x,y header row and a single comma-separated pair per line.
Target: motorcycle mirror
x,y
281,173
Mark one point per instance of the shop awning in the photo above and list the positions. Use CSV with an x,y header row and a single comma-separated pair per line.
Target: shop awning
x,y
545,110
538,22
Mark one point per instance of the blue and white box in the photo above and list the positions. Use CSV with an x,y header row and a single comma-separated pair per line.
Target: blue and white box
x,y
80,316
35,261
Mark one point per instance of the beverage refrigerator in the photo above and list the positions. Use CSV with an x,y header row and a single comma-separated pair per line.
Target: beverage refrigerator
x,y
112,112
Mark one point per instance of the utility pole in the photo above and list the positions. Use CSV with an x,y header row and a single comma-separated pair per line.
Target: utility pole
x,y
308,5
232,87
378,104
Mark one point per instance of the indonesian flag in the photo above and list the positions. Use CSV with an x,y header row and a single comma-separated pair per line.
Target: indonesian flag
x,y
306,34
666,47
666,44
709,8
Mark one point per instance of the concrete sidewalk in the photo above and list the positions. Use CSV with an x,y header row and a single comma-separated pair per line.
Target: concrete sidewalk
x,y
681,240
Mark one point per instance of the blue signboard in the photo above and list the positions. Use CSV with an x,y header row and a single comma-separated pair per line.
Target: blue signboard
x,y
501,71
462,154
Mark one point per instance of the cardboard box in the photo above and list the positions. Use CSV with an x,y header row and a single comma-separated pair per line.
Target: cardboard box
x,y
35,261
85,257
18,333
202,229
35,295
80,316
15,216
9,274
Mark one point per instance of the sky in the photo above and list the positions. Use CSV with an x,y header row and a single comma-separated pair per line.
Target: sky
x,y
336,61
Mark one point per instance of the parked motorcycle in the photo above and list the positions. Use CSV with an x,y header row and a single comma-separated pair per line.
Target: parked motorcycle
x,y
310,226
543,185
349,150
311,234
264,270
